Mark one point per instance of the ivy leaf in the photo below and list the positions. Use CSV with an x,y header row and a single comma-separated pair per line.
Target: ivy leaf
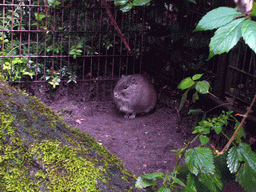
x,y
226,37
200,159
202,87
248,33
217,18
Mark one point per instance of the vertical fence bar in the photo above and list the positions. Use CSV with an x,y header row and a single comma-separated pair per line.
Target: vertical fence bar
x,y
37,40
12,39
2,33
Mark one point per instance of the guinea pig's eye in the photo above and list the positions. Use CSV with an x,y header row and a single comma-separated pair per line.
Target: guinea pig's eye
x,y
125,87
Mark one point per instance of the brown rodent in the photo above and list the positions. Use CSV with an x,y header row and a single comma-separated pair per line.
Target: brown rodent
x,y
134,94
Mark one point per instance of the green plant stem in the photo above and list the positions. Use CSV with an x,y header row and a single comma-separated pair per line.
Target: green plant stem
x,y
228,138
212,95
183,153
217,107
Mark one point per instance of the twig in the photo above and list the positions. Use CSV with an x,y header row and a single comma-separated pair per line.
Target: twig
x,y
238,128
115,24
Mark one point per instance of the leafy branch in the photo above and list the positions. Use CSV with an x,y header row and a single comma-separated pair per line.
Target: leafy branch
x,y
238,128
231,25
193,83
203,170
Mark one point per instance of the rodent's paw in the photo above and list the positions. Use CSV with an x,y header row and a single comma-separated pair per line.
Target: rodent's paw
x,y
127,116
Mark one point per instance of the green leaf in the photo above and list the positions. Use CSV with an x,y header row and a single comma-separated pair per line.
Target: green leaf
x,y
203,87
233,159
195,111
198,129
197,76
240,133
248,33
246,177
203,139
195,97
207,130
143,183
178,181
28,73
39,16
212,181
241,153
221,165
163,189
126,8
253,13
217,18
191,184
226,37
183,99
217,129
53,84
200,159
246,171
192,1
54,2
140,2
157,175
121,2
186,83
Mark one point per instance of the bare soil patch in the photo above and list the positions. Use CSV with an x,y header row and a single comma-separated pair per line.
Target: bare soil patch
x,y
143,144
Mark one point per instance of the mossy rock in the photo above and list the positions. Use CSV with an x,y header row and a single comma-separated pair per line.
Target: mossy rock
x,y
39,152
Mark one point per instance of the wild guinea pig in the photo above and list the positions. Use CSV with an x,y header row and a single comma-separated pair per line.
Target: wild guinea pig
x,y
134,94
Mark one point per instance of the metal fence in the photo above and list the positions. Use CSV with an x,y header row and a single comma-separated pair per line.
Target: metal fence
x,y
241,73
65,41
68,39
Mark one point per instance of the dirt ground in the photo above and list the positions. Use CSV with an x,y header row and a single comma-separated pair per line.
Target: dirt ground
x,y
143,144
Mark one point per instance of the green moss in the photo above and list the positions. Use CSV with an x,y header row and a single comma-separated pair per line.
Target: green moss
x,y
14,158
36,156
65,171
39,108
